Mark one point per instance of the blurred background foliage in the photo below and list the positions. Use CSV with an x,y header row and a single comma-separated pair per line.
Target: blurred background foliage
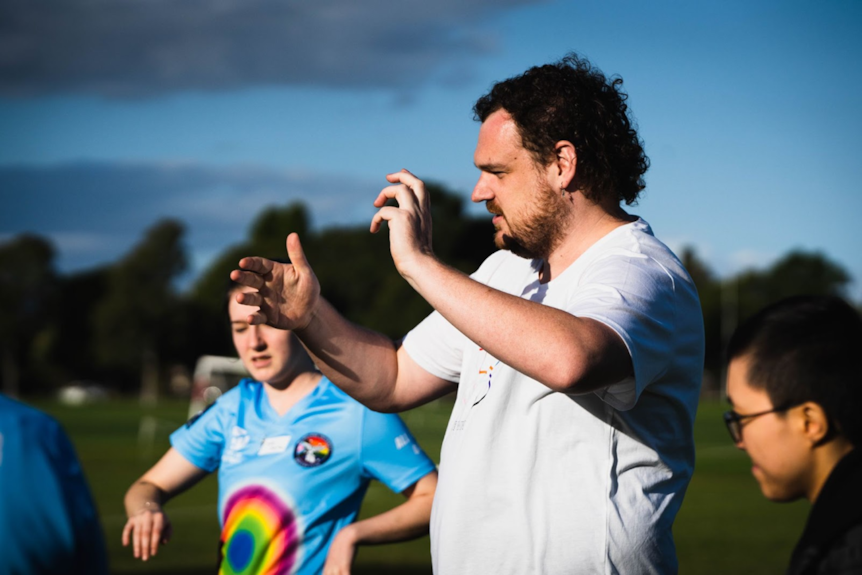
x,y
127,326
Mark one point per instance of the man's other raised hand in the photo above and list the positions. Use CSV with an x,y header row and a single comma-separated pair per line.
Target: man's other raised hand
x,y
409,222
287,295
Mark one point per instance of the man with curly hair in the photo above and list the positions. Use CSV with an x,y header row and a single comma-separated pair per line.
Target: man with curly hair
x,y
576,350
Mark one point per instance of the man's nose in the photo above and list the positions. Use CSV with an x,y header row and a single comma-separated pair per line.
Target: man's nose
x,y
481,191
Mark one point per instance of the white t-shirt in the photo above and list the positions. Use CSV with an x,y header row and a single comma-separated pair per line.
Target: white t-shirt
x,y
537,481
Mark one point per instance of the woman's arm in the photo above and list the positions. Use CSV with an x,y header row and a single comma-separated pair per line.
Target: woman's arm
x,y
406,521
148,525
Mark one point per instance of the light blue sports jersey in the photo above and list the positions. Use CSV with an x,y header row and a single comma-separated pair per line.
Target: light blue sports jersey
x,y
288,484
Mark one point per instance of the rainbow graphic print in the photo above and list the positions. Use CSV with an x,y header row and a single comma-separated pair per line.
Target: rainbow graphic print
x,y
260,534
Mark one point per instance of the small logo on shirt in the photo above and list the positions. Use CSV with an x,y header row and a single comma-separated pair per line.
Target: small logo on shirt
x,y
486,373
238,438
312,450
401,441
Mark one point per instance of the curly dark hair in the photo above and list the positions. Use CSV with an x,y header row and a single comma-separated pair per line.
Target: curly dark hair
x,y
572,100
806,348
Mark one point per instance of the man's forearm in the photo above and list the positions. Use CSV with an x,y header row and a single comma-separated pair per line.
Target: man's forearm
x,y
550,345
358,360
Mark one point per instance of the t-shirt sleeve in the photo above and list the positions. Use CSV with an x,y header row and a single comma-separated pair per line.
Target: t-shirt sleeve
x,y
435,344
201,440
390,453
634,296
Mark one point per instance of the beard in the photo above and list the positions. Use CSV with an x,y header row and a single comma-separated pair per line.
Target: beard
x,y
534,233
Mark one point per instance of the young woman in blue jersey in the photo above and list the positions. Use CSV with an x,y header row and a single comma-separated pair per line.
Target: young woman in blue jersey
x,y
294,456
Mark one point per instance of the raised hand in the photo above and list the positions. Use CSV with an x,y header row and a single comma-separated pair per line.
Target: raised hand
x,y
286,294
409,222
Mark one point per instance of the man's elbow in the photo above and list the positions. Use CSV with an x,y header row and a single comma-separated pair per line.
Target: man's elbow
x,y
565,378
383,402
584,376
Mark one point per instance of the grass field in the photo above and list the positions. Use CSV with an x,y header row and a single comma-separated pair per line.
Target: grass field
x,y
725,525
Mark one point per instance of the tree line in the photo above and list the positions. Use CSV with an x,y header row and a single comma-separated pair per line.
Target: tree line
x,y
125,325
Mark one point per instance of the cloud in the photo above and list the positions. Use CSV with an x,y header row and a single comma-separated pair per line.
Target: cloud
x,y
95,212
142,48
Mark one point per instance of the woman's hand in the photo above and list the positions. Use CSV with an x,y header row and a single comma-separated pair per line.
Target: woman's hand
x,y
341,552
147,530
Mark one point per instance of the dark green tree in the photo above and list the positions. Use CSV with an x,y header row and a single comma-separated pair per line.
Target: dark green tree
x,y
797,273
136,322
27,293
72,351
709,292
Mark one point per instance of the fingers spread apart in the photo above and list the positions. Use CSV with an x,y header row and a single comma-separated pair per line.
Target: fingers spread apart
x,y
250,279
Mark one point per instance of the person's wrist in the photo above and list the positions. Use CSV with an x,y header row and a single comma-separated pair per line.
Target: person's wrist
x,y
312,316
350,534
150,506
416,266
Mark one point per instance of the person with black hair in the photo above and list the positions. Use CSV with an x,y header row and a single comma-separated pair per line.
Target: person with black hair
x,y
795,383
576,350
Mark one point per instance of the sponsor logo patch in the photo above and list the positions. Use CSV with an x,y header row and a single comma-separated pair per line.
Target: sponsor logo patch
x,y
401,441
312,450
238,438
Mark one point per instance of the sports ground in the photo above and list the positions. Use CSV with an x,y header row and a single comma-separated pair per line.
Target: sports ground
x,y
725,525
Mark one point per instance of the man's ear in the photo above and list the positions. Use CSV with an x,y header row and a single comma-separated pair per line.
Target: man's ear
x,y
566,162
815,424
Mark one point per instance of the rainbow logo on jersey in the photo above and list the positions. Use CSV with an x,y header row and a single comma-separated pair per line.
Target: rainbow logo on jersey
x,y
260,534
312,450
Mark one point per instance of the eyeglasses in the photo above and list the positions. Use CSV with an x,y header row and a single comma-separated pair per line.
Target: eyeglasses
x,y
733,420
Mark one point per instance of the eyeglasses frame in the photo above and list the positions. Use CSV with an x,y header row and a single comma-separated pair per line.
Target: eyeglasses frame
x,y
733,420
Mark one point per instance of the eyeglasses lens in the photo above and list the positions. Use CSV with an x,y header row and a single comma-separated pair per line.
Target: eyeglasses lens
x,y
735,429
733,426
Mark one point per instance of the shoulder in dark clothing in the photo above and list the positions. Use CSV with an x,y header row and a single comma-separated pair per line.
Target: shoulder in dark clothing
x,y
832,540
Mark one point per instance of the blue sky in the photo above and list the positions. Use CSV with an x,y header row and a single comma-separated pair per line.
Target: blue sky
x,y
113,115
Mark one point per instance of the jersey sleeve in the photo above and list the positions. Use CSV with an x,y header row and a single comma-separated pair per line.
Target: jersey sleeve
x,y
202,439
390,453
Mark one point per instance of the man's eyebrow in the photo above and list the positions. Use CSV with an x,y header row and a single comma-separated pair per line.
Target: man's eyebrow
x,y
491,167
